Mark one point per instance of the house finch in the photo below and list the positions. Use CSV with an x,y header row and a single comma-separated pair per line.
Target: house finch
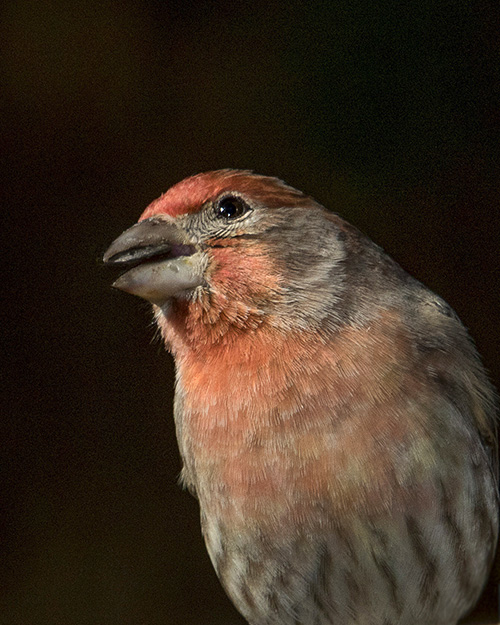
x,y
332,414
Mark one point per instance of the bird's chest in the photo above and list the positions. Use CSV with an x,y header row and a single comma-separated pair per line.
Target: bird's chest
x,y
249,430
244,468
275,438
270,420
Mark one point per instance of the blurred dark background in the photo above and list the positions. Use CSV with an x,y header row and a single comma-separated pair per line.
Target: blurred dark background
x,y
388,112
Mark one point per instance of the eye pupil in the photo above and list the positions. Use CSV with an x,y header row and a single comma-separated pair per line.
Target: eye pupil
x,y
230,207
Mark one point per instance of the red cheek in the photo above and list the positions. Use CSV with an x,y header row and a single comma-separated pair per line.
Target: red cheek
x,y
247,273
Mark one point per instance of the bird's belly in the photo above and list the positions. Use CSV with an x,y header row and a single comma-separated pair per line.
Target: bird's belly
x,y
390,570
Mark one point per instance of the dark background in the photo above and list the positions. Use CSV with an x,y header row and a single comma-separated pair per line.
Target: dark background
x,y
387,112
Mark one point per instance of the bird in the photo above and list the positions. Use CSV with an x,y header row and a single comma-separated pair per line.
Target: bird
x,y
333,416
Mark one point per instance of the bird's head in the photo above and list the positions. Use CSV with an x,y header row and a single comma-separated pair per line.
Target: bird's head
x,y
231,250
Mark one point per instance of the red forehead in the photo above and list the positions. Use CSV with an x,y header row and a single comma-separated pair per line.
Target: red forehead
x,y
190,194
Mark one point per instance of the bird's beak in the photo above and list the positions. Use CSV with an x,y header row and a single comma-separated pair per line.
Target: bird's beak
x,y
158,258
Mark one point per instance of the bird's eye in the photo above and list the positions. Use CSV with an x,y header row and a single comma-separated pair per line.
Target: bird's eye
x,y
230,207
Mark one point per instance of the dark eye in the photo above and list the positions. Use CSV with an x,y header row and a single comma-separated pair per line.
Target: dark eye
x,y
230,207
